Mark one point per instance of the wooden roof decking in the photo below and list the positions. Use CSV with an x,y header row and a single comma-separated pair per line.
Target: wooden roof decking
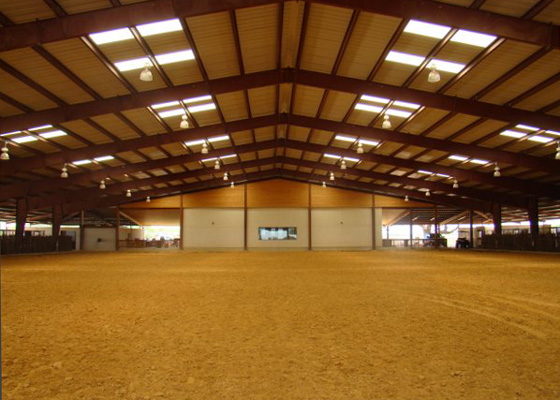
x,y
310,63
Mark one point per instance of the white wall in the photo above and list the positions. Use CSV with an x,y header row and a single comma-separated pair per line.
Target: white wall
x,y
107,236
378,220
215,228
277,217
339,228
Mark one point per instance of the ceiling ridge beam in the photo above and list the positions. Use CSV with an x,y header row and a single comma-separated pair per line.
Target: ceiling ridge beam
x,y
82,24
273,77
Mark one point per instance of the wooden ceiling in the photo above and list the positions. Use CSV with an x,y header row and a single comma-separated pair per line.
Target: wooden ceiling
x,y
271,84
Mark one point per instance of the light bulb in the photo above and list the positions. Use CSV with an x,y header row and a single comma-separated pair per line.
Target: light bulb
x,y
146,74
64,173
324,184
405,198
455,184
204,148
497,172
226,177
102,184
148,199
558,152
386,122
331,177
128,194
5,152
428,193
434,76
360,149
343,165
184,122
217,165
232,185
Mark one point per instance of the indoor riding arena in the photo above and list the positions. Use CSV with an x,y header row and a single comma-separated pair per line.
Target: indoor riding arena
x,y
291,200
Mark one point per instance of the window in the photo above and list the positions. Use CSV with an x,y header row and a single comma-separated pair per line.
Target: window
x,y
278,233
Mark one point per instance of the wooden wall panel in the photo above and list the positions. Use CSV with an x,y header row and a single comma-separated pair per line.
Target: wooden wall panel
x,y
330,197
277,193
164,202
156,217
217,198
395,202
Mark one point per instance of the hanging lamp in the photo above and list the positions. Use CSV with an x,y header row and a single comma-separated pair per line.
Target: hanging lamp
x,y
434,76
64,172
146,74
360,149
217,165
497,172
5,152
128,193
386,122
184,122
204,148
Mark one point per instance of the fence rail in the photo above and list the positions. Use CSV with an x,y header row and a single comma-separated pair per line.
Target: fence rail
x,y
522,241
36,244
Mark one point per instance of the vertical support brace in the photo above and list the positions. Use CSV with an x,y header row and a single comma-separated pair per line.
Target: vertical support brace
x,y
411,228
436,225
21,217
245,245
56,220
181,225
471,230
117,228
309,246
82,229
497,218
533,210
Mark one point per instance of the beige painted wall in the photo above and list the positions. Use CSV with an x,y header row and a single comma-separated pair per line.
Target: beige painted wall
x,y
341,228
107,236
213,228
277,217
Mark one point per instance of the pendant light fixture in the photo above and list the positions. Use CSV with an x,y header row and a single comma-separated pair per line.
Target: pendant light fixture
x,y
5,152
102,184
324,184
217,165
184,122
331,177
386,122
405,198
146,74
204,148
557,152
428,194
360,149
455,184
232,185
128,193
343,164
148,199
497,172
434,76
226,177
64,172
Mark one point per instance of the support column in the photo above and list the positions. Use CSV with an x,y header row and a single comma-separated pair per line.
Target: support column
x,y
497,218
436,225
56,222
82,229
245,217
471,231
181,225
309,245
411,237
21,217
117,228
533,210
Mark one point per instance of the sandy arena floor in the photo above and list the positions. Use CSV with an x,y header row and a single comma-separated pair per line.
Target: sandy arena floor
x,y
321,325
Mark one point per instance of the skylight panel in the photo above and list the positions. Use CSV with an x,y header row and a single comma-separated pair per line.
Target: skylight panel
x,y
202,107
331,156
10,133
374,99
458,157
404,104
367,107
527,128
171,113
479,161
115,35
25,139
513,134
195,142
404,58
473,38
553,133
398,113
174,57
218,138
443,175
197,99
130,65
39,128
156,28
228,156
209,159
351,159
164,105
427,29
448,66
368,142
82,162
421,171
345,138
540,139
104,158
52,134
